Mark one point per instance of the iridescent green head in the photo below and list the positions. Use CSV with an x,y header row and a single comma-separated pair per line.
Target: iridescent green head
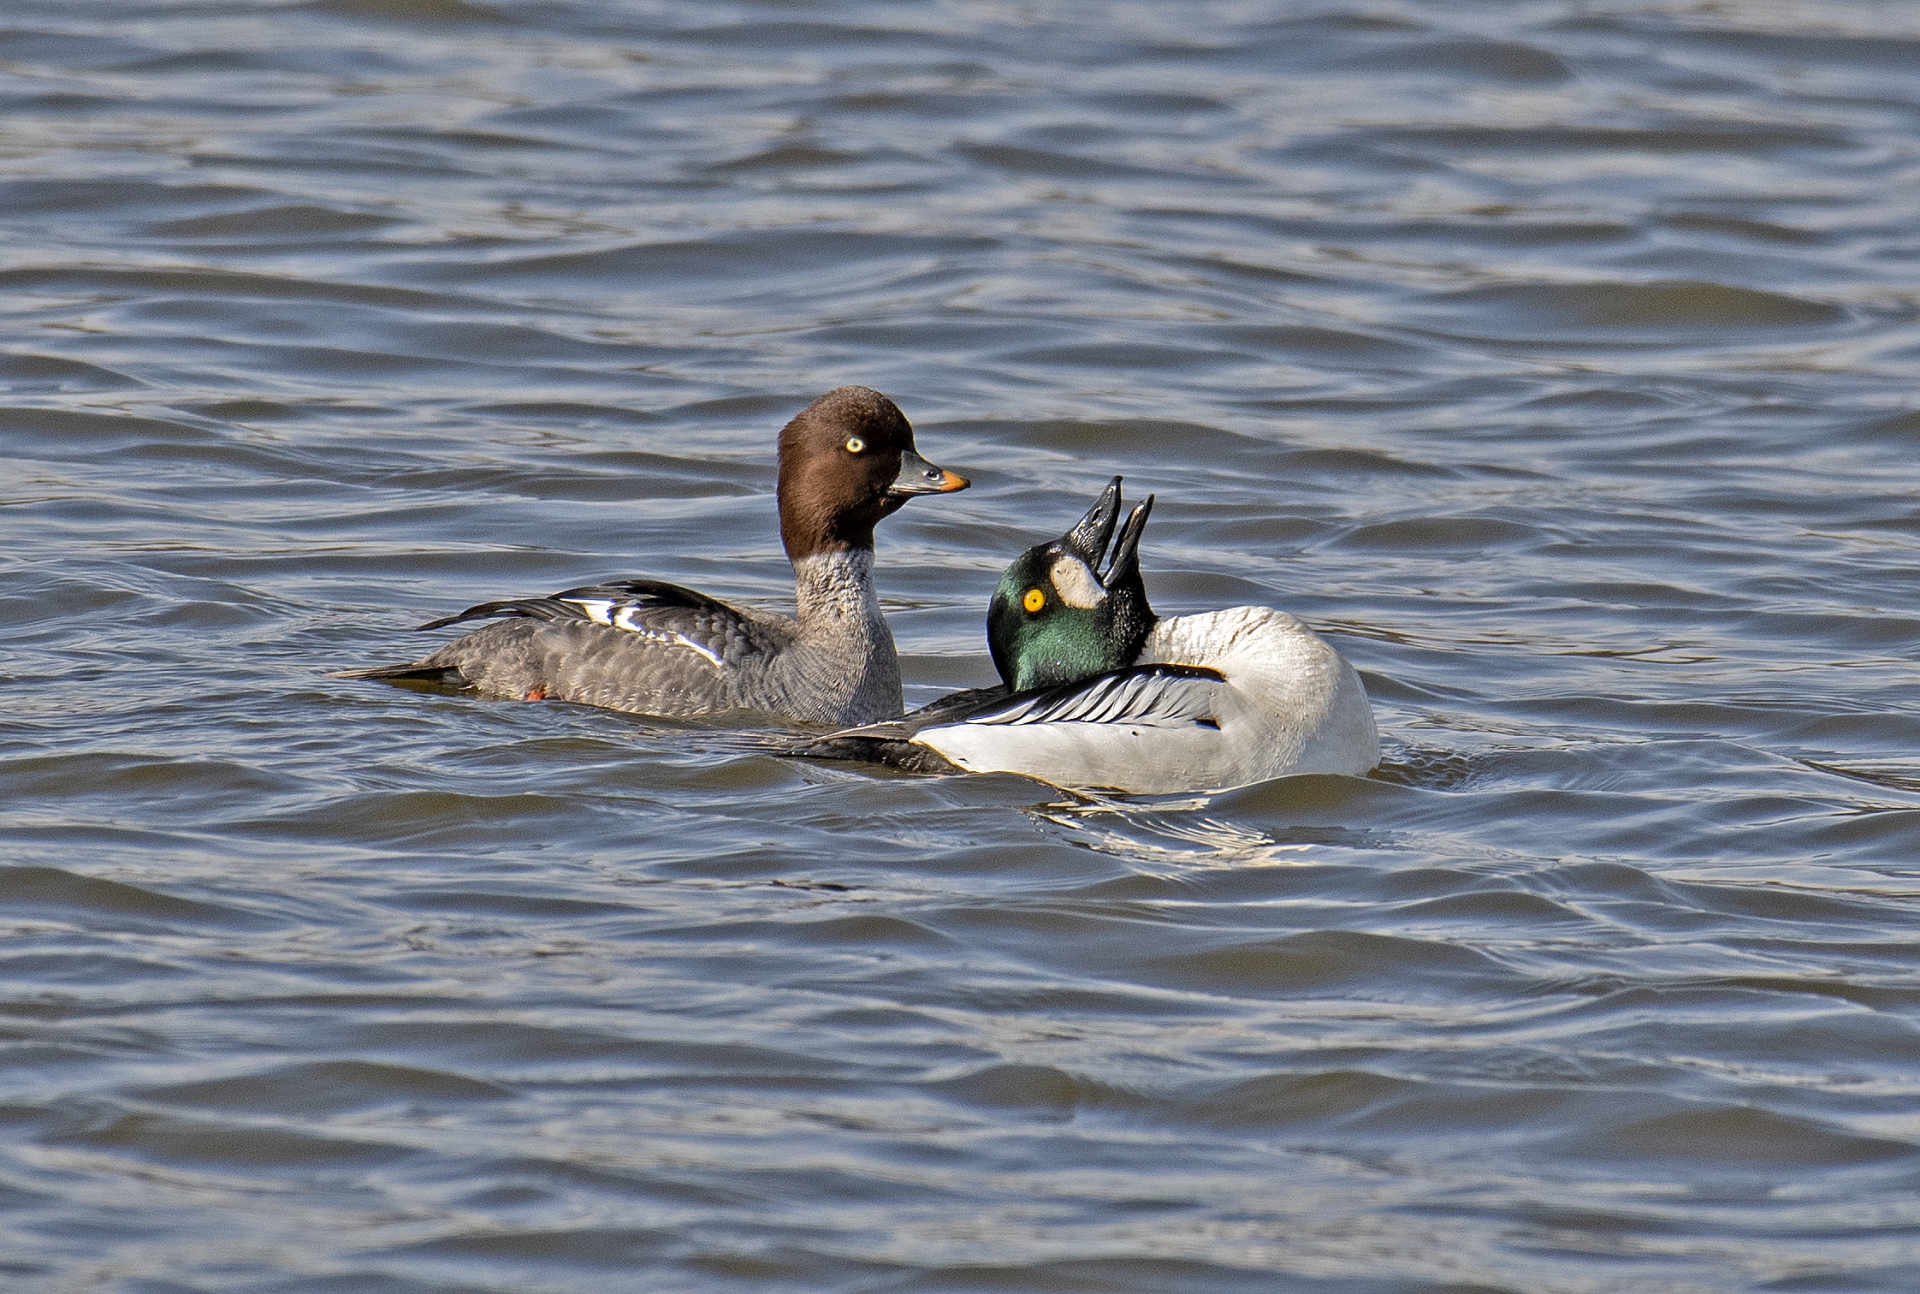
x,y
1056,618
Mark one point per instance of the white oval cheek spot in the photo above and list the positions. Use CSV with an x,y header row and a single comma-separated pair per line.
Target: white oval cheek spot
x,y
1076,585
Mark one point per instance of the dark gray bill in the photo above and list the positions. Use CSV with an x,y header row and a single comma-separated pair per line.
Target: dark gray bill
x,y
918,476
1088,538
1126,549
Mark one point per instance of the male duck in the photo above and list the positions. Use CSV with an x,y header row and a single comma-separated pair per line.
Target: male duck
x,y
1101,692
846,461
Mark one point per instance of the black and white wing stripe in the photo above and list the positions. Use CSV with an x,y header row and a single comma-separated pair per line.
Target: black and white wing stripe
x,y
667,614
619,603
1142,696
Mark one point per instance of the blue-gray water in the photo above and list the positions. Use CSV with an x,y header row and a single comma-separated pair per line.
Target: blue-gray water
x,y
1558,360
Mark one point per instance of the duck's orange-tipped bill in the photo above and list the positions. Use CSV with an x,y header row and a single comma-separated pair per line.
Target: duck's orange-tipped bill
x,y
918,476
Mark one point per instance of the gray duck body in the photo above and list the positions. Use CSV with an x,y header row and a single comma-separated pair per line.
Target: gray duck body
x,y
639,645
664,657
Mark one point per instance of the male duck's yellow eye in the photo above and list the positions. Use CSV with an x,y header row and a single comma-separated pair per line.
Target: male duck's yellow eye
x,y
1034,600
855,444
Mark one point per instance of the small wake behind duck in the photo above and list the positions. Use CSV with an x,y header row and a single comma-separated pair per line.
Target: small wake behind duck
x,y
1100,692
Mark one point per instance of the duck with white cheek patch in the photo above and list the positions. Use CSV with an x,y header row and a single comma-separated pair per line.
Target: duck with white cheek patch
x,y
1099,692
847,461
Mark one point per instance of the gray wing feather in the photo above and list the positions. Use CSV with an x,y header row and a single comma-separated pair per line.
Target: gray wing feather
x,y
640,645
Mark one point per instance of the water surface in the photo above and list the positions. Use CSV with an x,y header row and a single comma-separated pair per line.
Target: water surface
x,y
1559,361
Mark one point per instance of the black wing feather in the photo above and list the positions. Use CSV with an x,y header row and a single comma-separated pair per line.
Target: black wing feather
x,y
640,590
637,593
531,608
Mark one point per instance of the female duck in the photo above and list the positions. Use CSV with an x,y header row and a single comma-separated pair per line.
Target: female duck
x,y
1101,692
846,461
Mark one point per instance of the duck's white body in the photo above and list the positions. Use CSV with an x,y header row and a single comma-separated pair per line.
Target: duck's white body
x,y
1286,703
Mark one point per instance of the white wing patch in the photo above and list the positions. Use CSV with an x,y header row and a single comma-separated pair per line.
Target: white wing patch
x,y
625,616
698,649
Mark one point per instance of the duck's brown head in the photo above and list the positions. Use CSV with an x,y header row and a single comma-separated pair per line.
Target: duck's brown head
x,y
846,461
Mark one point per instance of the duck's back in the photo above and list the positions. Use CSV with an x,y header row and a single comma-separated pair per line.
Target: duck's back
x,y
674,653
694,664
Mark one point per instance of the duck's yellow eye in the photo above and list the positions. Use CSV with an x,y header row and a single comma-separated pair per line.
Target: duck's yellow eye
x,y
855,444
1034,600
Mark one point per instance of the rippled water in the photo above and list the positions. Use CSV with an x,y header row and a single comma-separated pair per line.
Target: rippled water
x,y
1559,360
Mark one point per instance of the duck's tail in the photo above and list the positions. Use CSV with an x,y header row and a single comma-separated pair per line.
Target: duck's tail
x,y
417,671
890,752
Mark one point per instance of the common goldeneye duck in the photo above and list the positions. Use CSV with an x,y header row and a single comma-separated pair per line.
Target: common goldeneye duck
x,y
1098,691
846,462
